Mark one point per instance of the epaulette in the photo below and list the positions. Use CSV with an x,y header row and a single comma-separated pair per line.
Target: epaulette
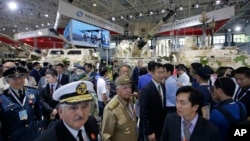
x,y
113,103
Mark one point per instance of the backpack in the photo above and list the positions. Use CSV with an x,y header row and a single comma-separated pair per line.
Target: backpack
x,y
233,123
230,119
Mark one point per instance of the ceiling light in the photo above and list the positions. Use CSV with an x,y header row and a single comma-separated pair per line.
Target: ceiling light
x,y
48,23
12,5
42,24
130,16
151,13
113,18
217,2
46,15
3,29
26,28
94,4
197,5
237,28
229,30
181,7
140,14
121,17
36,26
163,11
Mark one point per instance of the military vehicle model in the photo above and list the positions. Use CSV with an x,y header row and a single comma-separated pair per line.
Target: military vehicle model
x,y
130,52
20,51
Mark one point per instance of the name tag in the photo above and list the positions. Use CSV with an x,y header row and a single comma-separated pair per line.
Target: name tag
x,y
23,115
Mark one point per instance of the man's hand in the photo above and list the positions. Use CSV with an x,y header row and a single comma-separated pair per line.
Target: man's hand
x,y
151,137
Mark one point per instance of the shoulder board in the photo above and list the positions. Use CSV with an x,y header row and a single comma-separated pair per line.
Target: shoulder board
x,y
31,87
113,103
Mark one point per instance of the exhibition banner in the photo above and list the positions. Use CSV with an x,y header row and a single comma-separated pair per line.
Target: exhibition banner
x,y
64,8
217,15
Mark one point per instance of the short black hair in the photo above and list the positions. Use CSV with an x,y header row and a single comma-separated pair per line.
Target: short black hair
x,y
195,97
196,66
242,70
60,65
226,84
169,67
102,70
52,72
89,65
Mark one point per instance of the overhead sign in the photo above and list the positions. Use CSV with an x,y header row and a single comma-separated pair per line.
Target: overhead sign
x,y
34,33
217,15
74,12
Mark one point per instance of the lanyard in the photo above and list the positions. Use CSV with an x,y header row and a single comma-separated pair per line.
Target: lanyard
x,y
18,101
239,92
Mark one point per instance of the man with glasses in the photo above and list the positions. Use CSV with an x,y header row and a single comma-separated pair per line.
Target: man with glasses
x,y
222,93
20,111
75,124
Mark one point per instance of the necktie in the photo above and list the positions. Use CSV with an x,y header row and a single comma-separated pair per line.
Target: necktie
x,y
80,135
187,133
159,90
20,95
51,89
59,79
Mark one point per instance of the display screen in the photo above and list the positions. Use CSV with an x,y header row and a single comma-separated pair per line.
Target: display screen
x,y
83,34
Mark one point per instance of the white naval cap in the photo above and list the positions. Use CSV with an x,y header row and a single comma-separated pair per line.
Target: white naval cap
x,y
73,92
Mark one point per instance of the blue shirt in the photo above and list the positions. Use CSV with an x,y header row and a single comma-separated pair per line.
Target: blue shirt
x,y
171,88
143,80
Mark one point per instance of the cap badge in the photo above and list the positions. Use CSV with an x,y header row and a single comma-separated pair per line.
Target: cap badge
x,y
81,88
16,72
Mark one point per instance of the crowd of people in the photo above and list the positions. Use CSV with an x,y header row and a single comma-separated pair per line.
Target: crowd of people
x,y
146,102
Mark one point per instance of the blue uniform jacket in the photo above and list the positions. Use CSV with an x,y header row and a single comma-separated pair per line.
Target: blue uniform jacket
x,y
14,129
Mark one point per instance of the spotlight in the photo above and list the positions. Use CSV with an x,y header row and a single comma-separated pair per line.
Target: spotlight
x,y
181,7
12,5
197,5
217,2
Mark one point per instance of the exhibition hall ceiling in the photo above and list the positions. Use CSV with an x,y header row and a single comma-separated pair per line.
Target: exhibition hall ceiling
x,y
36,14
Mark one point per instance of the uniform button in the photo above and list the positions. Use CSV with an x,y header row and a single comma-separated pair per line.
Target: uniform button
x,y
26,125
11,109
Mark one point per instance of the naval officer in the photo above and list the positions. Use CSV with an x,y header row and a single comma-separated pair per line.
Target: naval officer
x,y
20,111
75,123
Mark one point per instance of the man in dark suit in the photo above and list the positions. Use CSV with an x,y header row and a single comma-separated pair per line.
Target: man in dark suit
x,y
61,77
74,108
35,71
48,104
152,109
186,124
89,72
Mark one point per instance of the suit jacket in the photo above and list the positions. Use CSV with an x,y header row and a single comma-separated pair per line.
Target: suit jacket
x,y
64,79
152,112
36,74
47,102
59,132
203,130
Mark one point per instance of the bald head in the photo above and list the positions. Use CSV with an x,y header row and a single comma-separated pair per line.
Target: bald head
x,y
8,65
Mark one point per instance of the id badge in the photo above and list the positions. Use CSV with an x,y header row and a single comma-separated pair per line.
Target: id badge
x,y
23,115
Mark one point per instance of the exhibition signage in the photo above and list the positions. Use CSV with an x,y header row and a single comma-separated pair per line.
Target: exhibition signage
x,y
74,12
217,15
